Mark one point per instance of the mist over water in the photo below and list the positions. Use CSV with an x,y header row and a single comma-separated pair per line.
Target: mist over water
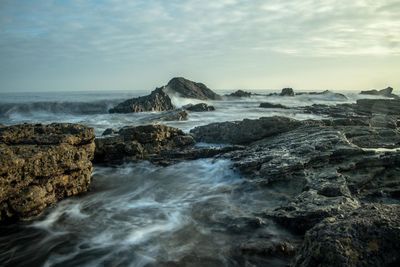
x,y
91,108
143,215
195,213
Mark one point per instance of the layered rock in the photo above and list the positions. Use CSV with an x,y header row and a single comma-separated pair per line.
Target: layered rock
x,y
158,100
368,236
189,89
387,92
42,164
201,107
244,132
140,142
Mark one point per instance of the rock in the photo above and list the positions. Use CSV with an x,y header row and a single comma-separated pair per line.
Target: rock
x,y
174,115
140,142
271,105
109,131
287,92
244,132
201,107
387,92
189,89
382,106
266,248
240,93
368,236
42,164
158,100
336,96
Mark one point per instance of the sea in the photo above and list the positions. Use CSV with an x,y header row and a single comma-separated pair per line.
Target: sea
x,y
194,213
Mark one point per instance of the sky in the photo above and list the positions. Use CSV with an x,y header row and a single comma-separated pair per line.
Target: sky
x,y
250,44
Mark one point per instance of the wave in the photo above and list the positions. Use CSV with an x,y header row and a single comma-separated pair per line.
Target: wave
x,y
57,107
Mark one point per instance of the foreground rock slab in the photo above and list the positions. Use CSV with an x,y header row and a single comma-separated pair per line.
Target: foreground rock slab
x,y
140,142
368,236
42,164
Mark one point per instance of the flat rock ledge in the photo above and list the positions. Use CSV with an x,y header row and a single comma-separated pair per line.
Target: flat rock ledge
x,y
42,164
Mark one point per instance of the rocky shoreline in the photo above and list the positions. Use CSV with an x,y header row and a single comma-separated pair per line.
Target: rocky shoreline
x,y
340,175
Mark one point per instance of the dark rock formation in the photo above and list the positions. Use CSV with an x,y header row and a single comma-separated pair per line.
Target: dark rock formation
x,y
188,89
42,164
109,131
383,106
388,92
240,93
158,100
244,132
368,236
173,115
271,105
140,142
287,92
337,96
201,107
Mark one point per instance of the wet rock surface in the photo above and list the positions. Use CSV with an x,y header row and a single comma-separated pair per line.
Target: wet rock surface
x,y
42,164
140,142
287,92
387,92
240,93
367,236
331,168
189,89
244,132
158,100
271,105
201,107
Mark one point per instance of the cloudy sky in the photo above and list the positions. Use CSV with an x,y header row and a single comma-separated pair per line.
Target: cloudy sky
x,y
254,44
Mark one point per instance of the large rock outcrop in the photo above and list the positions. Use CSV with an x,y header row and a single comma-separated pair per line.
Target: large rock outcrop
x,y
244,132
42,164
387,92
189,89
201,107
140,142
158,100
287,92
368,236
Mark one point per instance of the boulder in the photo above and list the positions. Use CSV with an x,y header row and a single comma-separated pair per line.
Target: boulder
x,y
158,100
271,105
189,89
387,92
42,164
109,131
368,236
140,142
201,107
287,92
173,115
382,106
240,93
244,132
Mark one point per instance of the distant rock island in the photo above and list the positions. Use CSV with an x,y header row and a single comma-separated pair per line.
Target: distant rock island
x,y
159,99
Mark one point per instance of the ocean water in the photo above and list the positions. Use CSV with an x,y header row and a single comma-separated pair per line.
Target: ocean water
x,y
91,108
195,213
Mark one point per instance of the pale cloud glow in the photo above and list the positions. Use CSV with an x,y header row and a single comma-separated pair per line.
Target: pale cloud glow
x,y
79,45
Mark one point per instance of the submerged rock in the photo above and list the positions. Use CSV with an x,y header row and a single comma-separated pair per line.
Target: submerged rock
x,y
382,106
109,131
287,92
158,100
42,164
337,96
368,236
244,132
388,92
271,105
173,115
140,142
240,93
189,89
201,107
